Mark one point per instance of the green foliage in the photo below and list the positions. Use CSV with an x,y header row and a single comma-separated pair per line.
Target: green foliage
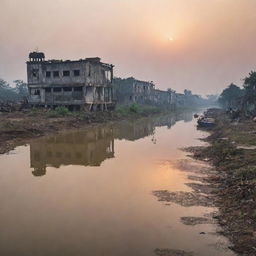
x,y
62,111
250,89
246,173
135,108
222,151
21,88
34,111
230,96
250,81
58,112
8,93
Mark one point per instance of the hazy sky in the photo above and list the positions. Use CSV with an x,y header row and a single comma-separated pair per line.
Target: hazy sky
x,y
202,45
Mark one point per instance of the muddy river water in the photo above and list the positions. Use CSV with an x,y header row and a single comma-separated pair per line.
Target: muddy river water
x,y
91,192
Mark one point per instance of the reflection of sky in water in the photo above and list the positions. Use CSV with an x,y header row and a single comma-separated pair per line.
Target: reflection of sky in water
x,y
100,202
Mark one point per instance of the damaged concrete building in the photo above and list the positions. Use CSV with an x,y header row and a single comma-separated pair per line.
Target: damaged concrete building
x,y
84,83
131,90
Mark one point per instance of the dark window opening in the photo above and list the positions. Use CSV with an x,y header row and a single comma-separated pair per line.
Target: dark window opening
x,y
37,92
130,97
77,72
78,89
56,74
67,89
66,73
48,90
57,89
35,72
89,73
48,73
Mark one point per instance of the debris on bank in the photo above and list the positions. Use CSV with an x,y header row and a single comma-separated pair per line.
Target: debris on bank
x,y
235,178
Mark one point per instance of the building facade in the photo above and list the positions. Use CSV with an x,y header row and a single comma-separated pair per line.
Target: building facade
x,y
84,83
131,90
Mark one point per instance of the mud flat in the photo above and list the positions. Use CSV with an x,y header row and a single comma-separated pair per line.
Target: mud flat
x,y
232,189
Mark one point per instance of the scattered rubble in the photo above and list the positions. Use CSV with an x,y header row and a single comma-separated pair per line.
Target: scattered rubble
x,y
233,185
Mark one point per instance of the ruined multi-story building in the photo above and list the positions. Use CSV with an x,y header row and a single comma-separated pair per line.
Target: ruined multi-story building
x,y
74,84
131,90
164,98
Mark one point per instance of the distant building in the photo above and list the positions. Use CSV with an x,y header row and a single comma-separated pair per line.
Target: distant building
x,y
166,98
75,84
131,90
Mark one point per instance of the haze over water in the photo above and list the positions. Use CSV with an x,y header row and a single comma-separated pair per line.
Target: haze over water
x,y
89,192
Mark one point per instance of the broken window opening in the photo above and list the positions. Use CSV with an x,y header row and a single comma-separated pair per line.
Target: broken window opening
x,y
77,72
35,72
48,90
78,89
48,73
56,73
36,92
89,71
67,89
66,73
57,89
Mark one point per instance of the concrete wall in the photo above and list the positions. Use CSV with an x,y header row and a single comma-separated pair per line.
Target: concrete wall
x,y
82,82
130,90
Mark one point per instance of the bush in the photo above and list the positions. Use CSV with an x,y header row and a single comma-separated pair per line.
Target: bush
x,y
62,111
57,112
135,108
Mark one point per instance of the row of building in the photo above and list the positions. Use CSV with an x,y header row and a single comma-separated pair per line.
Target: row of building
x,y
89,83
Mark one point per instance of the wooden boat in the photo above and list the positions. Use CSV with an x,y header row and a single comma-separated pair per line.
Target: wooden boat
x,y
206,122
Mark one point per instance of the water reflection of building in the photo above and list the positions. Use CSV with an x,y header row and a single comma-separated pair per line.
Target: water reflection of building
x,y
92,146
88,148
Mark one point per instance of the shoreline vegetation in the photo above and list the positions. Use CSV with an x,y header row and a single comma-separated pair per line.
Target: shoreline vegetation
x,y
231,151
18,127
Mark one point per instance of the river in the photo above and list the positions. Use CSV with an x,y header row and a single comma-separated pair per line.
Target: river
x,y
91,192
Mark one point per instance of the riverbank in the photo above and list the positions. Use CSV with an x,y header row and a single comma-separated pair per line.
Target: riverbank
x,y
17,127
232,152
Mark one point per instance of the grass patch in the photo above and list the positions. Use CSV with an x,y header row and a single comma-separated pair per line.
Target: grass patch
x,y
58,112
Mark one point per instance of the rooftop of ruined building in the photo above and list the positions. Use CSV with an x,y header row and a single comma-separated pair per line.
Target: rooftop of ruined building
x,y
54,61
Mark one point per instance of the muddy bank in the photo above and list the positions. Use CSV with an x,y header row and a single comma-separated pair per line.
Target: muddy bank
x,y
17,127
233,186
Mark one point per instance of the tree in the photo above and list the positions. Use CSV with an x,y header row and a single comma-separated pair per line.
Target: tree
x,y
7,93
231,96
21,88
250,88
249,100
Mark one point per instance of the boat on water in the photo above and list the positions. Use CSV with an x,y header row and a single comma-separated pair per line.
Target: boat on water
x,y
206,122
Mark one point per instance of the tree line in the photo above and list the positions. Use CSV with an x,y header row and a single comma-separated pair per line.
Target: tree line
x,y
241,99
16,93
